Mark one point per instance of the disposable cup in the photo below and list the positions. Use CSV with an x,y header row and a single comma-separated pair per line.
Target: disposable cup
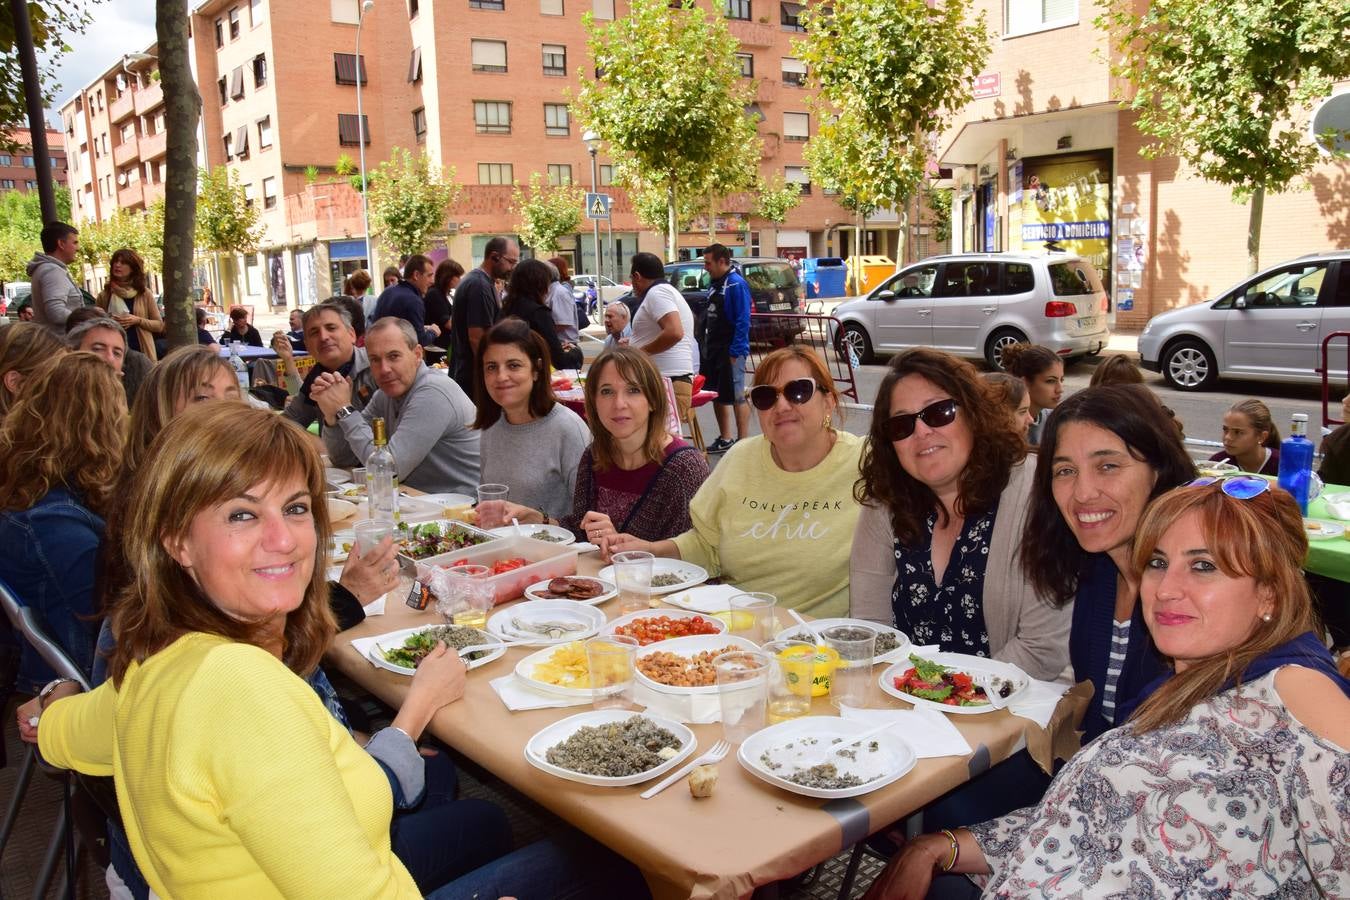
x,y
752,616
492,505
633,578
369,533
851,680
742,692
792,669
609,659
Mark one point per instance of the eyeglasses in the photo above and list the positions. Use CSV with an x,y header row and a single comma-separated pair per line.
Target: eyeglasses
x,y
797,392
1239,487
934,415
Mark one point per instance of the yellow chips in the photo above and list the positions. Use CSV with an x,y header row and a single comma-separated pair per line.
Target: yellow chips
x,y
566,667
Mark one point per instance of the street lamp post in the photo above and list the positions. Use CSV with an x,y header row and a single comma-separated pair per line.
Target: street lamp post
x,y
366,6
592,141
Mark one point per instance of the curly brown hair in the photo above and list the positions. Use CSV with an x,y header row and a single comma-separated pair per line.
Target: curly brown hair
x,y
67,429
24,348
884,481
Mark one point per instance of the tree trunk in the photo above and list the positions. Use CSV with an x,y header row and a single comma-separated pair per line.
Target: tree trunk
x,y
712,218
1257,208
182,106
901,247
672,222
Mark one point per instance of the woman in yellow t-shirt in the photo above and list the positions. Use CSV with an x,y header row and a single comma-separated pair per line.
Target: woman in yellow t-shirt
x,y
777,514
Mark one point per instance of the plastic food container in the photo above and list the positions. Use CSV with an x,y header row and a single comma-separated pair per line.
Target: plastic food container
x,y
543,562
448,527
827,660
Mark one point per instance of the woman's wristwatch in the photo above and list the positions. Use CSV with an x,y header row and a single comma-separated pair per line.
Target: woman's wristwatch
x,y
49,687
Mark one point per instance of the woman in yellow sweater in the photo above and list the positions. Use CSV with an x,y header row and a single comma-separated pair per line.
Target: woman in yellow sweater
x,y
232,777
777,514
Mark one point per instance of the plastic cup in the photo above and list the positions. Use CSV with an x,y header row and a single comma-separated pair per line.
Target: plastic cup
x,y
752,617
470,595
633,578
369,533
609,660
851,680
360,477
742,692
492,505
792,669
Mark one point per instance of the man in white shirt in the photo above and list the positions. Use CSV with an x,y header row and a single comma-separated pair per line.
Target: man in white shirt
x,y
664,327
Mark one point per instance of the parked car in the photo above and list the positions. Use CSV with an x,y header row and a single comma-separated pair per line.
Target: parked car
x,y
774,287
976,304
1269,327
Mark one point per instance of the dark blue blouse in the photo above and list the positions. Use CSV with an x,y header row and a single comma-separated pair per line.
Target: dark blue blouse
x,y
950,614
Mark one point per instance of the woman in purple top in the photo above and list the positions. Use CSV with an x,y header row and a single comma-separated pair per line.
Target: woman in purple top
x,y
636,477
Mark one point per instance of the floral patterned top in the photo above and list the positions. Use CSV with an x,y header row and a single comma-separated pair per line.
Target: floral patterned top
x,y
1237,799
951,613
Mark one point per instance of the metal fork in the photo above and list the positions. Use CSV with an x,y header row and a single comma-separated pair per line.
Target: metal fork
x,y
716,753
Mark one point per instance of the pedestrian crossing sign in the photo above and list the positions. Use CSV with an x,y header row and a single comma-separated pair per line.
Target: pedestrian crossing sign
x,y
597,206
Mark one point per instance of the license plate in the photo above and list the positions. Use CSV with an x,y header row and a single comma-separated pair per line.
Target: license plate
x,y
780,307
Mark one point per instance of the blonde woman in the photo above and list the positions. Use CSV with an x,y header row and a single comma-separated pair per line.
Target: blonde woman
x,y
24,348
128,300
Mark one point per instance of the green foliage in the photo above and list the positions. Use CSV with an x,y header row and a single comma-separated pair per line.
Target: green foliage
x,y
891,73
21,228
408,201
225,221
311,174
344,166
939,201
670,102
52,22
776,198
140,231
546,212
15,252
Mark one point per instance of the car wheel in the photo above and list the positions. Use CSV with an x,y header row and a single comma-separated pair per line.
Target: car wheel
x,y
1189,366
998,342
854,342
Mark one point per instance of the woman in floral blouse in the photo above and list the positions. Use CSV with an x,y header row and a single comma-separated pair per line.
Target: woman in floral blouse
x,y
1229,779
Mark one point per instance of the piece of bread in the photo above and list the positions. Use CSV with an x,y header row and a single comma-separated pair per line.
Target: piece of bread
x,y
466,514
702,781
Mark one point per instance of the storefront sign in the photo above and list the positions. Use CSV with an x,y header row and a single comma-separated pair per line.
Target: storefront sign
x,y
987,84
1066,231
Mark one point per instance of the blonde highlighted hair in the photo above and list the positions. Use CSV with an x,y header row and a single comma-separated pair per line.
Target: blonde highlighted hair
x,y
637,369
24,347
208,455
1261,538
169,383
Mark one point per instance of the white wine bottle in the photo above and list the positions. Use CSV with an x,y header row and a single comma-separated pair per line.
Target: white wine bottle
x,y
382,478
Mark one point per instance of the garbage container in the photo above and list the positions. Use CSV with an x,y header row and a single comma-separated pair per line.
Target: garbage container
x,y
866,272
824,276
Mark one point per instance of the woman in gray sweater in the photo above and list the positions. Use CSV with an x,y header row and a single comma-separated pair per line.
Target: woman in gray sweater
x,y
530,442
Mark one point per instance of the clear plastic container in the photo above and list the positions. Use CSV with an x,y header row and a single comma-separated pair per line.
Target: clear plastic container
x,y
544,560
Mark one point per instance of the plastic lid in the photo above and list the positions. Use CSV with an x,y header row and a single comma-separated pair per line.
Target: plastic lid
x,y
1299,417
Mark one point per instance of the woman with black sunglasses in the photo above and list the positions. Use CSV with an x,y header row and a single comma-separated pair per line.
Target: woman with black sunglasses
x,y
777,513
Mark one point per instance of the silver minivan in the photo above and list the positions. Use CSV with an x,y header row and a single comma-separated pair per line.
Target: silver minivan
x,y
1269,327
975,304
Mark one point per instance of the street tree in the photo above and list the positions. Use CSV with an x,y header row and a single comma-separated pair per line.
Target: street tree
x,y
670,102
21,228
890,73
1229,91
227,224
409,200
546,212
177,218
142,232
52,23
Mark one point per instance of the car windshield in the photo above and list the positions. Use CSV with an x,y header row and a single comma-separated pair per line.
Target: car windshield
x,y
766,276
1070,279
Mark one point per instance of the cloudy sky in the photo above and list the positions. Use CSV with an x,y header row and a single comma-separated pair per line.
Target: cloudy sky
x,y
119,26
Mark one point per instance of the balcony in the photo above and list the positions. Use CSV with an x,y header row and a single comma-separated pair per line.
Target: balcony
x,y
131,197
125,152
152,192
122,107
152,146
149,98
772,144
766,90
752,34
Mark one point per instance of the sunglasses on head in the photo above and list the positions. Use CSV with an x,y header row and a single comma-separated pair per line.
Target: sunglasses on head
x,y
797,392
1239,487
934,415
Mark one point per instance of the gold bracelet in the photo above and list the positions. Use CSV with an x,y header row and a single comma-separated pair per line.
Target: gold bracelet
x,y
956,850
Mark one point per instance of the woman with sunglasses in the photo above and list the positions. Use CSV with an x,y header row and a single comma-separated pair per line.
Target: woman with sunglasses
x,y
1107,452
935,552
1229,780
777,513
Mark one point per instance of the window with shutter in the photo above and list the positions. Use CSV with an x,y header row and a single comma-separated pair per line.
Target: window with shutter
x,y
492,117
790,16
603,9
415,66
351,129
237,83
488,56
794,71
346,67
555,59
241,141
796,126
556,120
551,7
1025,16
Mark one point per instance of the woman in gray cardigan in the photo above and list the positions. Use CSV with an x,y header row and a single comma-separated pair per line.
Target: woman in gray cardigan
x,y
945,490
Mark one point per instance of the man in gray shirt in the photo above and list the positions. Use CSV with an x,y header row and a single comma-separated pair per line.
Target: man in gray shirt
x,y
428,417
55,294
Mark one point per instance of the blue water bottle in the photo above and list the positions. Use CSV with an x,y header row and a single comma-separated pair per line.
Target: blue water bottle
x,y
1296,455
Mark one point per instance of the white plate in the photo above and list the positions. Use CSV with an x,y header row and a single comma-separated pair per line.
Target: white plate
x,y
612,626
1322,530
546,611
688,646
533,591
346,536
537,748
971,665
444,500
691,574
892,759
525,672
353,493
565,537
337,476
899,653
341,510
395,639
707,598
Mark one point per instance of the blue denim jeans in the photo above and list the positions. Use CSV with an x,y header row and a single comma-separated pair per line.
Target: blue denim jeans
x,y
569,866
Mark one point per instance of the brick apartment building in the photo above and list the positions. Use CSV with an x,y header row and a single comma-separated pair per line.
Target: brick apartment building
x,y
1044,152
17,170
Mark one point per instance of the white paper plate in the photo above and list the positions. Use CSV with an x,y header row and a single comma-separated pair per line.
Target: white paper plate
x,y
613,626
337,476
396,638
707,598
534,591
525,672
688,646
1322,529
899,653
892,759
537,748
341,510
346,536
500,625
565,537
972,665
445,500
354,493
691,574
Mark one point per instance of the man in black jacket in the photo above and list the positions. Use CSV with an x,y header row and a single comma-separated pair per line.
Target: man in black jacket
x,y
404,299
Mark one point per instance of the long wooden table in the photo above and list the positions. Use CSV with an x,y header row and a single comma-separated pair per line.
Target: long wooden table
x,y
748,834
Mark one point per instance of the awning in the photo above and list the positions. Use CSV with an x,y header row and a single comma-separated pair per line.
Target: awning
x,y
241,141
976,139
345,66
415,66
237,83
